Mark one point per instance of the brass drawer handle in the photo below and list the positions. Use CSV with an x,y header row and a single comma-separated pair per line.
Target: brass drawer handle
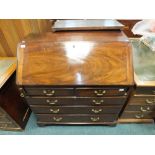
x,y
148,101
48,92
51,102
55,111
100,92
139,116
145,109
21,95
98,102
95,119
57,119
96,111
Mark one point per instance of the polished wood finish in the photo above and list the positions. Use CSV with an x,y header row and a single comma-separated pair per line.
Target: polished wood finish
x,y
81,77
14,112
91,101
66,58
138,115
142,100
128,25
101,91
86,24
76,109
12,31
51,119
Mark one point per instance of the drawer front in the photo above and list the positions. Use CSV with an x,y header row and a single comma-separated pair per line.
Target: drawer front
x,y
49,92
138,115
100,92
94,101
140,108
144,100
76,110
90,119
145,90
53,101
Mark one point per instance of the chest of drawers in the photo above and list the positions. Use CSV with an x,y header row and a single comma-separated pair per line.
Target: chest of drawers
x,y
141,105
79,77
14,112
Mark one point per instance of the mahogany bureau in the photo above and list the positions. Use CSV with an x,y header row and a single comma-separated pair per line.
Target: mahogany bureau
x,y
14,112
81,77
141,105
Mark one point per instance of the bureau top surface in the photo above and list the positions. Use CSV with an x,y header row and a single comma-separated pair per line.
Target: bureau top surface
x,y
144,64
7,67
75,58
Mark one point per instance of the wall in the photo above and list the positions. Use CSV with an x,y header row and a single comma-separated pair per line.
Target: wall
x,y
12,31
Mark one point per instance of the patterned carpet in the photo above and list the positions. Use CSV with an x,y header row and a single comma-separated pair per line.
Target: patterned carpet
x,y
120,129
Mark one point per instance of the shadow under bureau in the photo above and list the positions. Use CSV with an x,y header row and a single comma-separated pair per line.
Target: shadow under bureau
x,y
82,77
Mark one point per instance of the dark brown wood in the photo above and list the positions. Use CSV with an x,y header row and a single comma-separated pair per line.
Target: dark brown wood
x,y
128,25
65,58
76,109
100,92
73,119
142,100
140,108
49,91
145,90
83,75
60,101
14,108
138,115
87,24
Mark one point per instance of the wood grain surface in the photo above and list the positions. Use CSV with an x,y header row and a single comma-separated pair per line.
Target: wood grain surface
x,y
75,58
12,31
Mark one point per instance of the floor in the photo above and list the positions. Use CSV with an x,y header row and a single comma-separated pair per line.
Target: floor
x,y
120,129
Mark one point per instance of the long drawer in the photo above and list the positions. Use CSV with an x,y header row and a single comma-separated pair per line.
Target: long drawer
x,y
83,91
56,101
144,100
140,108
76,109
145,90
138,115
73,119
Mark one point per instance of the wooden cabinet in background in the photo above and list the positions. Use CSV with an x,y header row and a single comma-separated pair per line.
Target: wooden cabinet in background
x,y
141,105
14,111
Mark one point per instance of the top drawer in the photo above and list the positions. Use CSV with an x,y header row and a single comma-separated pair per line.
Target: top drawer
x,y
100,92
50,92
145,90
